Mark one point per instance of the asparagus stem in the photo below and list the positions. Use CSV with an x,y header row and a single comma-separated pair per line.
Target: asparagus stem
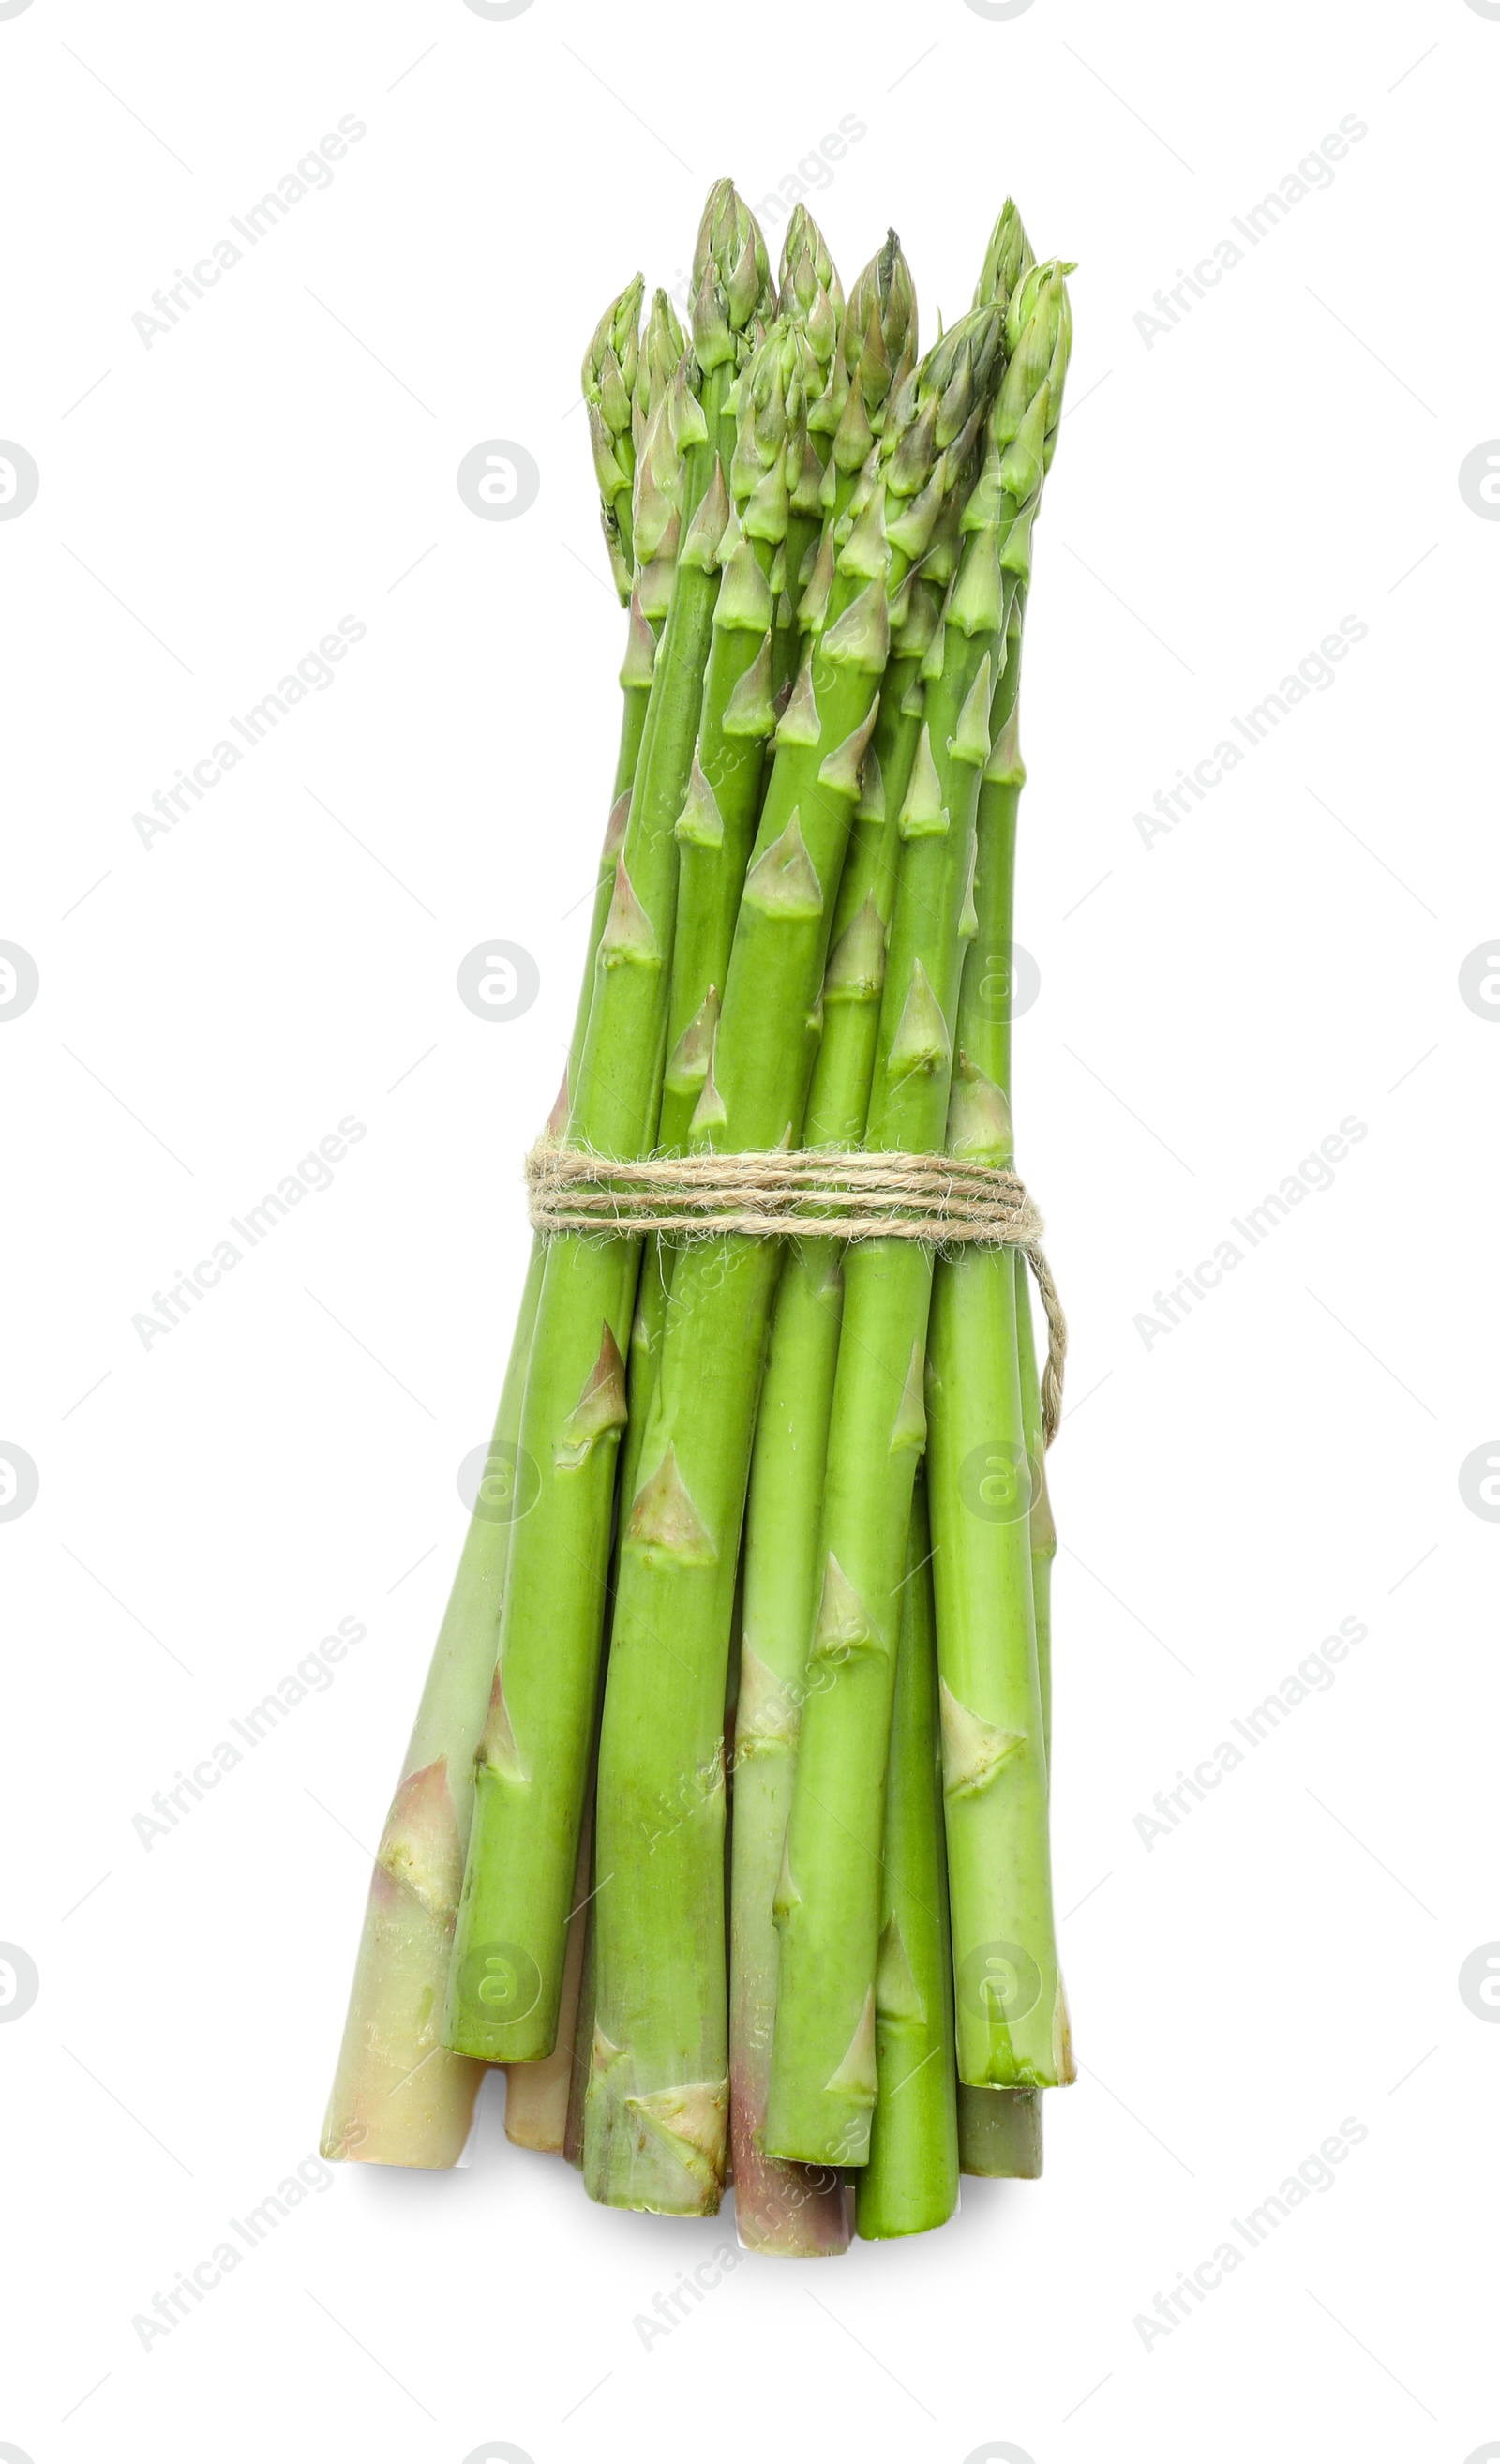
x,y
626,383
1012,2019
533,1762
648,1326
583,2026
911,2180
1000,2129
716,825
1012,2012
635,686
775,2209
1042,1529
613,365
656,2114
537,2094
398,2096
823,2073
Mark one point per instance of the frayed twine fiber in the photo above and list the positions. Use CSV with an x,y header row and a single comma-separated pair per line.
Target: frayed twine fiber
x,y
825,1191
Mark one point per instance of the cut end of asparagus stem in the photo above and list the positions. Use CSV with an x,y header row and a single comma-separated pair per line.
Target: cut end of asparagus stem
x,y
399,2097
660,2151
787,2210
1000,2133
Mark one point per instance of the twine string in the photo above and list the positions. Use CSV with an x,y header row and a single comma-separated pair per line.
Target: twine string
x,y
824,1192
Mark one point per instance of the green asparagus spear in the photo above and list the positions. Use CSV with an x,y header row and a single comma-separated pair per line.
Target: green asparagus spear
x,y
823,2077
533,1759
1042,1529
399,2097
538,2094
717,824
911,2180
655,2127
1012,2019
1000,2129
611,355
773,2210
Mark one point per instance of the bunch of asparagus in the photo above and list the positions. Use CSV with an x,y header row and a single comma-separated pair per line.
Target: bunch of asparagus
x,y
724,1821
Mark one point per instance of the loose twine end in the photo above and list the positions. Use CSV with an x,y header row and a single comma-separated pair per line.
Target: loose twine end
x,y
827,1193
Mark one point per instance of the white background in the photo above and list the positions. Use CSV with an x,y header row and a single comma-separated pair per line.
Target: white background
x,y
1211,1007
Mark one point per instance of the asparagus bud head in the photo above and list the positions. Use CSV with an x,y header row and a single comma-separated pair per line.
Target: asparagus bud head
x,y
1008,258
